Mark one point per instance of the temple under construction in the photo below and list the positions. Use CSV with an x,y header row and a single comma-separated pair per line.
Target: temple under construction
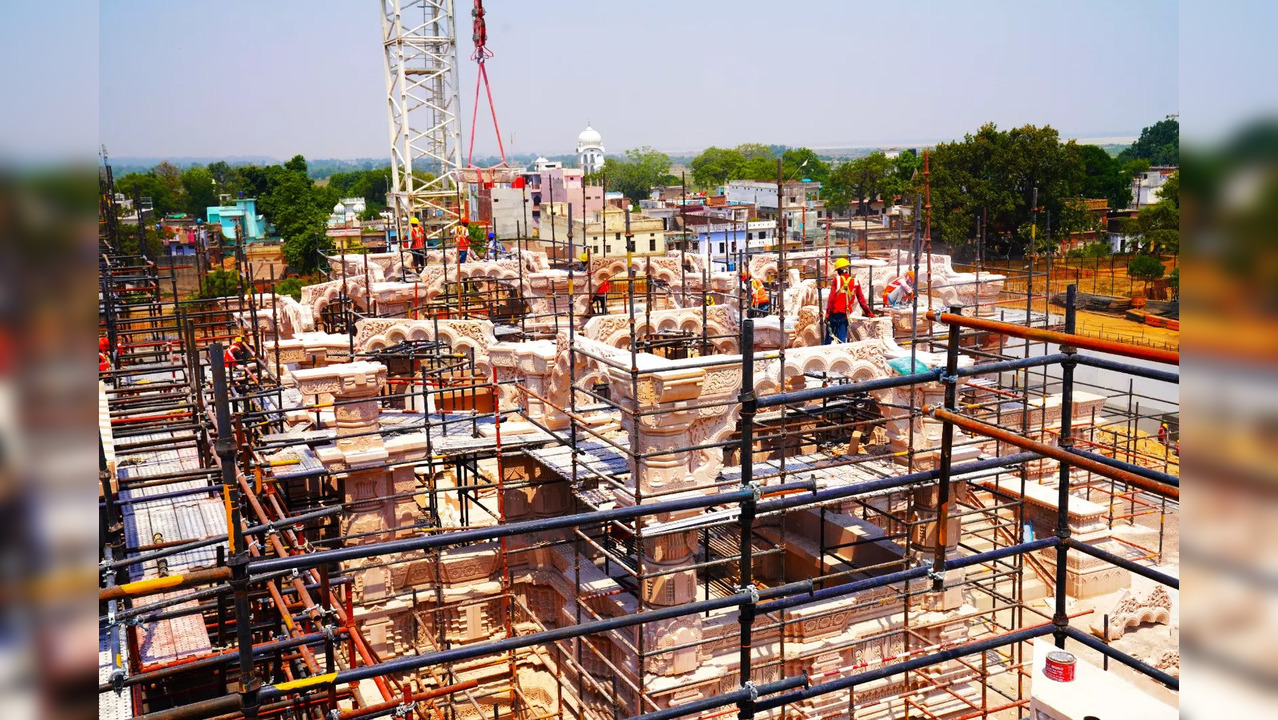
x,y
535,487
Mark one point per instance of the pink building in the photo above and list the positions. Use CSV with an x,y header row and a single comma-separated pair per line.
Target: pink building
x,y
552,182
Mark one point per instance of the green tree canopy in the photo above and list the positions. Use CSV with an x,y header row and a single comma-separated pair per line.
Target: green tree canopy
x,y
862,180
636,175
1105,176
755,161
197,182
220,283
1159,144
994,174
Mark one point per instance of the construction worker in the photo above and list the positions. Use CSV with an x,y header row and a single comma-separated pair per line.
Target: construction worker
x,y
495,249
462,234
237,352
842,290
417,242
1162,433
599,302
753,287
900,291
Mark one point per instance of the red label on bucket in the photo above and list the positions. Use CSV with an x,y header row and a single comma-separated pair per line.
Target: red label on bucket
x,y
1060,666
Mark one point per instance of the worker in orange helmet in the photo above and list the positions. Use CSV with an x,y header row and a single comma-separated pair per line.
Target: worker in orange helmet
x,y
843,289
237,352
900,291
760,301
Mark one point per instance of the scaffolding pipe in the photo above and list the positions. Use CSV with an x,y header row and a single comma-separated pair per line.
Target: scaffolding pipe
x,y
1082,342
1054,452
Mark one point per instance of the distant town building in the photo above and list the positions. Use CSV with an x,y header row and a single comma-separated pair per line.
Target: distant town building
x,y
550,181
590,151
608,239
1148,185
800,204
239,221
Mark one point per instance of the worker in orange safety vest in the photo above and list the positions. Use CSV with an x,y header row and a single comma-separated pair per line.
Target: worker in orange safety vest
x,y
842,290
900,291
237,352
760,302
417,242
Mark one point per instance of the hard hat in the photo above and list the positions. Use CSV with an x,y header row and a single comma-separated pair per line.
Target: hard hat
x,y
841,263
239,338
415,221
909,274
745,274
583,257
492,235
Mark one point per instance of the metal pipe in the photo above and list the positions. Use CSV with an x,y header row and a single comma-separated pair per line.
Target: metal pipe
x,y
839,493
869,676
1122,657
1124,563
1060,617
468,652
727,698
1129,369
473,535
1054,452
1129,467
903,575
1169,357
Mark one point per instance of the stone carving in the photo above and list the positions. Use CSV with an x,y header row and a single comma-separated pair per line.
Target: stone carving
x,y
950,287
471,337
1132,610
720,320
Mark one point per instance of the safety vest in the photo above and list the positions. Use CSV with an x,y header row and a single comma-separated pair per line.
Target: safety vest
x,y
417,238
897,291
841,295
104,362
463,237
235,352
759,292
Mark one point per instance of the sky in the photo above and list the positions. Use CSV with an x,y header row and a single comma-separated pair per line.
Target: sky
x,y
239,78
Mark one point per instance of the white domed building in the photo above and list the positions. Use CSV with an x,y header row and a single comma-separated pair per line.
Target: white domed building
x,y
590,150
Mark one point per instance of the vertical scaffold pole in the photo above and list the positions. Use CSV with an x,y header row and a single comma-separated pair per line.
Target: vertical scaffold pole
x,y
239,559
1060,618
748,409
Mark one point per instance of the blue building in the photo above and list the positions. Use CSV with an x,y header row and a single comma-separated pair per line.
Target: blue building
x,y
238,221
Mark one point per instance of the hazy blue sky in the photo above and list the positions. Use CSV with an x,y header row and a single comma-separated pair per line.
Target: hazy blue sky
x,y
238,77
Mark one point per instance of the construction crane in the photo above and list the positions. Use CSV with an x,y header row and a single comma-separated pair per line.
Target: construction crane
x,y
423,100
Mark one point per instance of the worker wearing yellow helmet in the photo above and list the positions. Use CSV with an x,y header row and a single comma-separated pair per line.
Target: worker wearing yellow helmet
x,y
900,291
843,288
417,242
237,352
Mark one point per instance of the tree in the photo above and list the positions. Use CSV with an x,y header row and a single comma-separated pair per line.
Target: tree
x,y
1157,228
290,286
1159,144
1104,176
635,176
716,166
1173,282
1146,268
905,179
1170,191
996,175
804,163
197,182
170,177
863,179
220,283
